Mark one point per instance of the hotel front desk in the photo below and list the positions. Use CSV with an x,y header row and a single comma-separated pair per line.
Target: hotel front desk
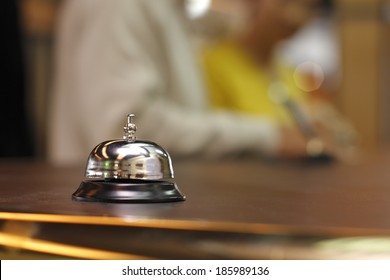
x,y
235,209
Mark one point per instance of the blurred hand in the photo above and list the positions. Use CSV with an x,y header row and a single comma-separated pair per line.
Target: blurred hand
x,y
292,143
340,144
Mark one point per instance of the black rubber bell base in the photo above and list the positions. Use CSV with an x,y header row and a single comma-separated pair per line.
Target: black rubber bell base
x,y
127,191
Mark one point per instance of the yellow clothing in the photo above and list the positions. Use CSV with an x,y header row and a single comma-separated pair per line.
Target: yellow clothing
x,y
235,82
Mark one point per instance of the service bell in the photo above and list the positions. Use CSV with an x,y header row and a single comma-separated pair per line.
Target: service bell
x,y
128,171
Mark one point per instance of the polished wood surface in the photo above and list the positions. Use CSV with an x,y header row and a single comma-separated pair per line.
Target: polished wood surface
x,y
227,200
238,192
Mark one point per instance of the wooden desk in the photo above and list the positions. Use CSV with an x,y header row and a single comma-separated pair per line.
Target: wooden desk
x,y
234,209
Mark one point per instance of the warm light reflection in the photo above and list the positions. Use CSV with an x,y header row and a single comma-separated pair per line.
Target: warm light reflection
x,y
309,76
23,243
196,225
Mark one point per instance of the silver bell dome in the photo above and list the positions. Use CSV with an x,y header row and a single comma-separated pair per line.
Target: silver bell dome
x,y
118,159
129,158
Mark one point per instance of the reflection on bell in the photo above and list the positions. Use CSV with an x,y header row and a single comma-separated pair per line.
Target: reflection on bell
x,y
128,171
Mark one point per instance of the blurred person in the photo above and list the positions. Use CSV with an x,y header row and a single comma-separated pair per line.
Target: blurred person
x,y
245,73
135,56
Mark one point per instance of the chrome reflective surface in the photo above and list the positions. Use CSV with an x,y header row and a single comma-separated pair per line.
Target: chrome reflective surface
x,y
121,159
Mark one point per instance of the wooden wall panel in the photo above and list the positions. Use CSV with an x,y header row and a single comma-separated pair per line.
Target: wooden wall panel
x,y
363,91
